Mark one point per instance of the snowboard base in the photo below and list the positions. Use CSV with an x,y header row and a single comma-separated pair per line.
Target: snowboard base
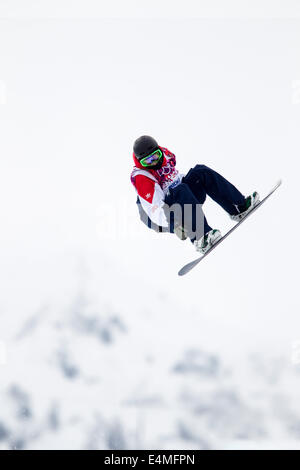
x,y
188,267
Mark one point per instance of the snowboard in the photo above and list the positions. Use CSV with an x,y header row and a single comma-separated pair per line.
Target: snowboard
x,y
188,267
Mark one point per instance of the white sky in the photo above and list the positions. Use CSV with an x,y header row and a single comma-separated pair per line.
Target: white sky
x,y
149,9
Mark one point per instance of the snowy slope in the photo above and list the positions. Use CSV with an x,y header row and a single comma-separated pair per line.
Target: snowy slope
x,y
96,373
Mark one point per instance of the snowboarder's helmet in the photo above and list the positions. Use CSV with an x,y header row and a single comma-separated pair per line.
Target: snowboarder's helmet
x,y
144,145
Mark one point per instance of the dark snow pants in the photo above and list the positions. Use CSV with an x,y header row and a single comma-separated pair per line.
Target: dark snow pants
x,y
191,193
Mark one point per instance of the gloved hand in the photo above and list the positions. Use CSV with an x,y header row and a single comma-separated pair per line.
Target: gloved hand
x,y
180,232
175,226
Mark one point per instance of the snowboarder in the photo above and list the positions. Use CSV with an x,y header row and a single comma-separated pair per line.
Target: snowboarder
x,y
160,188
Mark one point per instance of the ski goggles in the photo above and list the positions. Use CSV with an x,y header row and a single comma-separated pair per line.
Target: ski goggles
x,y
151,159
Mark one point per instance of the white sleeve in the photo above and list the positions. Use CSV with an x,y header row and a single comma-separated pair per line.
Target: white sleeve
x,y
155,210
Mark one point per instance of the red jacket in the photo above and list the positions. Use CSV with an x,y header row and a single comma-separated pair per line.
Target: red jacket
x,y
152,185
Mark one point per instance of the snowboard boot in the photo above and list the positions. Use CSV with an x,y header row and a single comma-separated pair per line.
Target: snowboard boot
x,y
207,241
250,202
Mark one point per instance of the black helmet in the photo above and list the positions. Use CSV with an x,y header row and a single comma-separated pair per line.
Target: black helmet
x,y
144,145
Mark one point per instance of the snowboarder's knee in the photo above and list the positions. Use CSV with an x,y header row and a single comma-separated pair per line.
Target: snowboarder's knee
x,y
201,168
197,174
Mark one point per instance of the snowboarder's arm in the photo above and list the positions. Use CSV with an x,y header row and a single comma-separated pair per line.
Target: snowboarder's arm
x,y
152,199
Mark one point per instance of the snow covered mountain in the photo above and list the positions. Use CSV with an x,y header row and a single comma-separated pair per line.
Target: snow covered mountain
x,y
90,372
